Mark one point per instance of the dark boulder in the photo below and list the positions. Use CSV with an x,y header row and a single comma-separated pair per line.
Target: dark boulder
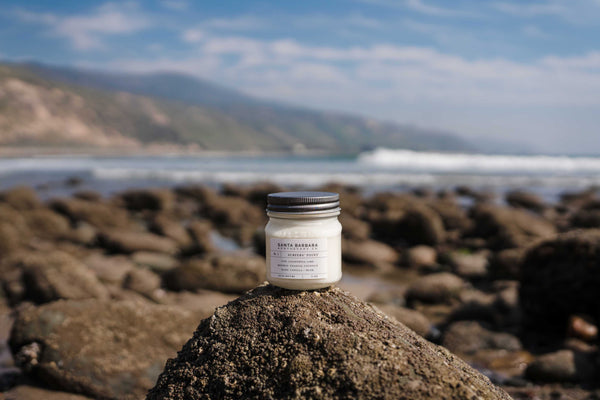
x,y
49,276
467,337
411,318
148,199
21,198
97,214
230,273
368,252
527,200
435,288
505,228
560,277
119,241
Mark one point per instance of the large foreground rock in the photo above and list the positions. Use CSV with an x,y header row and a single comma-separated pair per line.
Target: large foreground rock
x,y
275,343
111,350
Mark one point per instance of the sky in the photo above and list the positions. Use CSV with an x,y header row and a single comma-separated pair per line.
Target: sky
x,y
503,70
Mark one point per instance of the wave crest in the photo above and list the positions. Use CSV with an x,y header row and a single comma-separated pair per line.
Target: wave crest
x,y
477,163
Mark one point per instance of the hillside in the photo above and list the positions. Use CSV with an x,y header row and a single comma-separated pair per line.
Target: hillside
x,y
43,106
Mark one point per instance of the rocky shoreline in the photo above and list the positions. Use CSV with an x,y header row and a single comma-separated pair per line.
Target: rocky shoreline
x,y
100,292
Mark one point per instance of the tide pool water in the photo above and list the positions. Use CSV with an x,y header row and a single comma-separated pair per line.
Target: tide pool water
x,y
378,170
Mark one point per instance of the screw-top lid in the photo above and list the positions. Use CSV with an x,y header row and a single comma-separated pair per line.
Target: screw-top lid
x,y
299,202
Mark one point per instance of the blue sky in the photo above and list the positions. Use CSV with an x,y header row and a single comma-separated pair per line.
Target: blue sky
x,y
525,71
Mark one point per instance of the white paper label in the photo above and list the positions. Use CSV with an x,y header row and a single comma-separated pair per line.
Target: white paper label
x,y
299,258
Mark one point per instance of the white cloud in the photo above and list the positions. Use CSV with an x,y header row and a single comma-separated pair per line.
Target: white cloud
x,y
193,35
526,9
390,73
580,12
244,22
86,32
422,7
332,23
535,32
178,5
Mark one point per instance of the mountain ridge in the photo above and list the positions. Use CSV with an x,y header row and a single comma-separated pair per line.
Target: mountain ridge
x,y
64,106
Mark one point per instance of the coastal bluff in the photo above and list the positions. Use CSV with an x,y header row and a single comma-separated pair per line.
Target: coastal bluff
x,y
274,343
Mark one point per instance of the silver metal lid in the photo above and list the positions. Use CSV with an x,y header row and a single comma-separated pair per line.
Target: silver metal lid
x,y
299,202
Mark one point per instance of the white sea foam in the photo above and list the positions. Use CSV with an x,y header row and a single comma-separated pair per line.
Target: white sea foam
x,y
407,160
284,178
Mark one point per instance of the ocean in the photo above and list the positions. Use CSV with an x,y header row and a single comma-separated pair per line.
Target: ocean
x,y
377,170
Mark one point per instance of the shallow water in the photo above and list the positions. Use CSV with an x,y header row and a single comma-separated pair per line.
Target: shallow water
x,y
379,170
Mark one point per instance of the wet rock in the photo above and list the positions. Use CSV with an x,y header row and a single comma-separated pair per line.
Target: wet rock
x,y
143,282
354,228
118,241
158,262
579,346
230,273
28,392
582,328
50,276
525,391
527,200
560,277
585,219
112,350
453,216
369,252
109,269
504,364
47,224
274,343
165,226
421,256
257,193
200,231
83,233
148,199
259,242
200,194
507,295
506,264
468,265
97,214
477,306
421,225
401,218
10,239
233,212
411,318
435,288
21,198
393,296
89,195
505,228
201,303
561,366
477,195
467,337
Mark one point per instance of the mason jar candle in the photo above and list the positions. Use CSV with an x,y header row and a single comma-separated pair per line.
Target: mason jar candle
x,y
303,238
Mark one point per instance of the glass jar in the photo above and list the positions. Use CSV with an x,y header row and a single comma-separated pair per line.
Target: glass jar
x,y
303,239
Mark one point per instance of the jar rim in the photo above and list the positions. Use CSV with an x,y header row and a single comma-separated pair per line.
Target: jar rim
x,y
332,212
302,202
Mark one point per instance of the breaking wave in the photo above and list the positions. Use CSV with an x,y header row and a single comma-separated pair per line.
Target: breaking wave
x,y
407,160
